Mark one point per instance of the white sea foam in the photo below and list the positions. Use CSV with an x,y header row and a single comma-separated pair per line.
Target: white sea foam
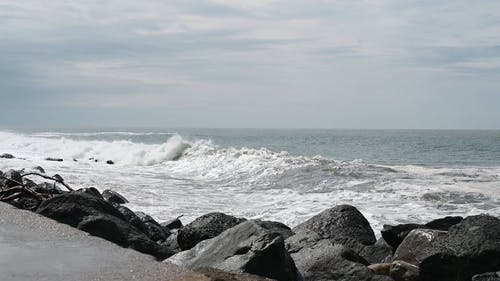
x,y
193,177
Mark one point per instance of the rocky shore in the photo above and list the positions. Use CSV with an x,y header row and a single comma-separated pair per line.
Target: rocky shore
x,y
337,244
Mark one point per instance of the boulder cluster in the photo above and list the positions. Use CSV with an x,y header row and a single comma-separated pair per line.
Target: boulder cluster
x,y
337,244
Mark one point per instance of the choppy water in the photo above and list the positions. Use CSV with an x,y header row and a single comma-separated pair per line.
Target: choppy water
x,y
286,175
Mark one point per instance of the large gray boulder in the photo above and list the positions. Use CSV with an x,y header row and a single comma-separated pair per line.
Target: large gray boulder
x,y
472,247
338,224
245,248
205,227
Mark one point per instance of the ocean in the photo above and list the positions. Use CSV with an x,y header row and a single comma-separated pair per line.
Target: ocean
x,y
287,175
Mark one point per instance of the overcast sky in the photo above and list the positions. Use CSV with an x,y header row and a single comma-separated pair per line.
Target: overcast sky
x,y
255,63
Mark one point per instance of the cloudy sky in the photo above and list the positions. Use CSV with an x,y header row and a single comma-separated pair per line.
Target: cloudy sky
x,y
255,63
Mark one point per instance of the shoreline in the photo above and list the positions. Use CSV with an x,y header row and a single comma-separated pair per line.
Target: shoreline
x,y
333,242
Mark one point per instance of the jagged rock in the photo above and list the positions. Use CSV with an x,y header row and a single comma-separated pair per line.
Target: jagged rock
x,y
325,261
443,223
419,244
172,224
131,217
171,242
489,276
376,253
340,223
39,169
114,197
13,177
7,156
25,203
395,234
92,191
205,227
54,159
245,248
99,218
47,188
472,247
275,226
153,229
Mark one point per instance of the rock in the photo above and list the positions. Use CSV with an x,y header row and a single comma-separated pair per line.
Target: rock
x,y
110,162
13,177
131,217
245,248
172,224
25,203
377,253
47,188
419,244
98,217
443,223
29,183
275,226
218,275
39,169
58,177
472,247
339,224
114,197
325,261
171,242
7,156
489,276
153,229
205,227
395,234
91,191
403,271
54,159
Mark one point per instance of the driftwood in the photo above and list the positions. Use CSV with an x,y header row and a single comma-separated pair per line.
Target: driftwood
x,y
22,190
49,178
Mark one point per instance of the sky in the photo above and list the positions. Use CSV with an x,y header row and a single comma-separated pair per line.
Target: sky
x,y
256,63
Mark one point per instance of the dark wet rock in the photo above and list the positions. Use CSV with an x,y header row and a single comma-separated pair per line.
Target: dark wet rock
x,y
110,162
131,217
152,228
472,247
58,177
92,191
39,169
395,234
245,248
275,226
25,203
489,276
397,270
114,197
338,224
47,188
376,253
54,159
99,218
29,183
419,244
205,227
171,242
172,224
218,275
13,178
443,223
7,156
325,261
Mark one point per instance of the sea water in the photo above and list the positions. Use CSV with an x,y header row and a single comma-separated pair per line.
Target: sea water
x,y
392,176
